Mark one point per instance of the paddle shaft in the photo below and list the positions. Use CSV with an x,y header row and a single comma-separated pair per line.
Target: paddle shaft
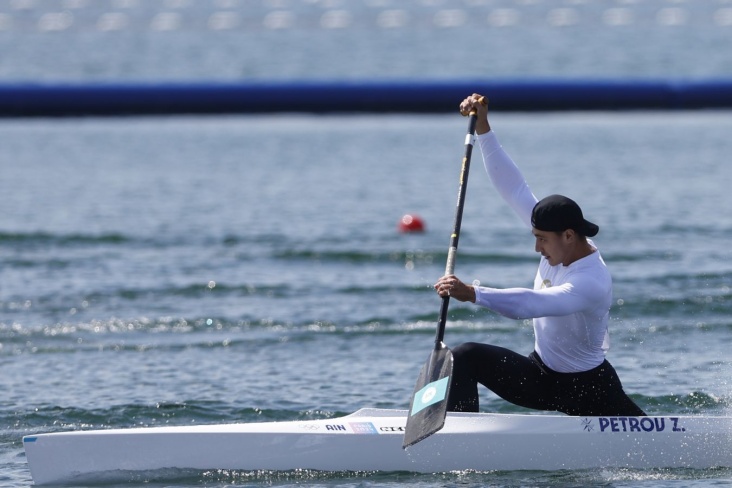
x,y
428,407
455,237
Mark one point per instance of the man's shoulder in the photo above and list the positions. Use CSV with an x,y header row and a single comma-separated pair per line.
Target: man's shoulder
x,y
592,273
588,271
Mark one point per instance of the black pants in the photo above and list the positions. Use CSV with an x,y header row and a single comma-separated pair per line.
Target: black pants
x,y
528,382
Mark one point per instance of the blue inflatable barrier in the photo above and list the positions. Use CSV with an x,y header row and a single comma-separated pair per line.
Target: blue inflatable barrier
x,y
27,100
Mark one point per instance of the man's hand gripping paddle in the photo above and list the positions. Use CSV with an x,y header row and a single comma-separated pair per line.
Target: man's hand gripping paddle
x,y
428,408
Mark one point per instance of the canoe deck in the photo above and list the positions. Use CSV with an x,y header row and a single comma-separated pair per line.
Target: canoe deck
x,y
371,440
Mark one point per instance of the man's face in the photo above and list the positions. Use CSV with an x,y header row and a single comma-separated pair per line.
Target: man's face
x,y
554,246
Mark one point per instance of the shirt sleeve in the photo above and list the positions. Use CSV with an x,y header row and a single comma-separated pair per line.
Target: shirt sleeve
x,y
506,177
524,303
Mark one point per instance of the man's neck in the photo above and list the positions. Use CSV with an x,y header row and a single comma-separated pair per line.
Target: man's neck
x,y
582,250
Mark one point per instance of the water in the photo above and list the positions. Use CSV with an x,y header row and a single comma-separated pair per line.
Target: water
x,y
197,270
178,270
100,40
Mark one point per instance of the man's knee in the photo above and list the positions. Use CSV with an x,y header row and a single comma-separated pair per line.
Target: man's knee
x,y
465,351
467,347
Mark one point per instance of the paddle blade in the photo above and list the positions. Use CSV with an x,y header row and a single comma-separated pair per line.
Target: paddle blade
x,y
428,407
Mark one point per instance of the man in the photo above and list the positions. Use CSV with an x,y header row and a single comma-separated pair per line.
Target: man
x,y
569,305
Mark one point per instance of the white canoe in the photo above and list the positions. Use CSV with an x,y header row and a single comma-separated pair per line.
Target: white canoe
x,y
371,440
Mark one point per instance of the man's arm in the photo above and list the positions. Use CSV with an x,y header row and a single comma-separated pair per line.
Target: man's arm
x,y
503,172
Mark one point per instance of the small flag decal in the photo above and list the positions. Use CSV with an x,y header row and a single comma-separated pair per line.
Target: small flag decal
x,y
429,395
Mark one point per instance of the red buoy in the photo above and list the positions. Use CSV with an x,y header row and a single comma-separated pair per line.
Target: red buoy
x,y
411,223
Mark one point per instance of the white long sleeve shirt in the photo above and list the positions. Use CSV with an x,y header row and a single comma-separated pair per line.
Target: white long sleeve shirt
x,y
569,305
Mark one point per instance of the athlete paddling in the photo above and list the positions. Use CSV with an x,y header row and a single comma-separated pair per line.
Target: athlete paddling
x,y
569,305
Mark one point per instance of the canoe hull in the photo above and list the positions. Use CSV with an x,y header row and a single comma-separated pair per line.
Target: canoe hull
x,y
371,440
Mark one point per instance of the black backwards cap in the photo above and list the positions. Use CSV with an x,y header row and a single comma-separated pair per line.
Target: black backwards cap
x,y
557,213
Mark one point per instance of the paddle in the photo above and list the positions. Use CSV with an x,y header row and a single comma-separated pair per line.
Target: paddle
x,y
428,408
